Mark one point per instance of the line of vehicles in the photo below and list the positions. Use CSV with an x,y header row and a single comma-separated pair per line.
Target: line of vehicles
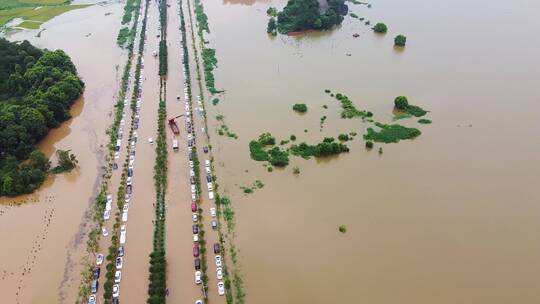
x,y
119,259
198,275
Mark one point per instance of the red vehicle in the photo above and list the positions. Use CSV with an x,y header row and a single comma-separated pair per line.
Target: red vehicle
x,y
173,125
193,207
196,250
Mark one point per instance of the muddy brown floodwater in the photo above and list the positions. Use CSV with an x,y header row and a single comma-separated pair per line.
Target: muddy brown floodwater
x,y
41,238
451,217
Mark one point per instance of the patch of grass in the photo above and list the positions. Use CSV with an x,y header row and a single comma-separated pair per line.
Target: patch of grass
x,y
391,133
34,15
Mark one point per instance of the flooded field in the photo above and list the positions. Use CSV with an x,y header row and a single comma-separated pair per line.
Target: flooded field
x,y
449,217
43,236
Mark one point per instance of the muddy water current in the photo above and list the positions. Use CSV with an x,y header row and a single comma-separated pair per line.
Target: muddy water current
x,y
450,217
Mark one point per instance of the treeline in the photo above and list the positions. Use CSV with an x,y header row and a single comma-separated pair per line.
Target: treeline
x,y
37,89
301,15
163,53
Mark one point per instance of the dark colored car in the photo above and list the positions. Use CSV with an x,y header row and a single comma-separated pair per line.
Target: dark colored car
x,y
209,178
192,180
95,273
217,248
128,189
130,172
195,229
121,251
195,250
205,149
115,166
197,264
193,207
95,285
190,156
190,143
115,301
136,126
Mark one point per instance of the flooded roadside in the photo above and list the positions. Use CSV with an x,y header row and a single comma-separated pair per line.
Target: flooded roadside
x,y
443,218
43,254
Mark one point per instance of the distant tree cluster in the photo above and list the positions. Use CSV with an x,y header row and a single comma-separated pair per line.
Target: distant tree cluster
x,y
37,88
300,15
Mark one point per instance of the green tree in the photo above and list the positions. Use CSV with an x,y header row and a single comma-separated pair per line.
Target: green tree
x,y
272,26
380,28
400,40
300,107
401,103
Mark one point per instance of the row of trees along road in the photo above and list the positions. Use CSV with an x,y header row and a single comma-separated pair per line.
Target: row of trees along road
x,y
37,88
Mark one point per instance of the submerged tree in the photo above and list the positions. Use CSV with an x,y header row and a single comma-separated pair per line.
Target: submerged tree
x,y
66,161
400,40
380,28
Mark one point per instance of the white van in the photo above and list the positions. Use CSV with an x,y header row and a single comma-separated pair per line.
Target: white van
x,y
175,145
211,195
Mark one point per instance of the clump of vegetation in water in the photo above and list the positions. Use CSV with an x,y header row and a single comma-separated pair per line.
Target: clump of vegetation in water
x,y
369,145
272,11
349,110
209,63
400,40
37,89
380,28
284,142
353,15
256,185
293,137
302,15
271,28
223,129
326,148
342,228
300,107
296,170
123,37
215,101
327,91
343,137
401,105
321,123
278,158
66,162
325,107
391,133
424,121
353,134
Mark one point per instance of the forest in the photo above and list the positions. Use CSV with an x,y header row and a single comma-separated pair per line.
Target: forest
x,y
37,89
301,15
